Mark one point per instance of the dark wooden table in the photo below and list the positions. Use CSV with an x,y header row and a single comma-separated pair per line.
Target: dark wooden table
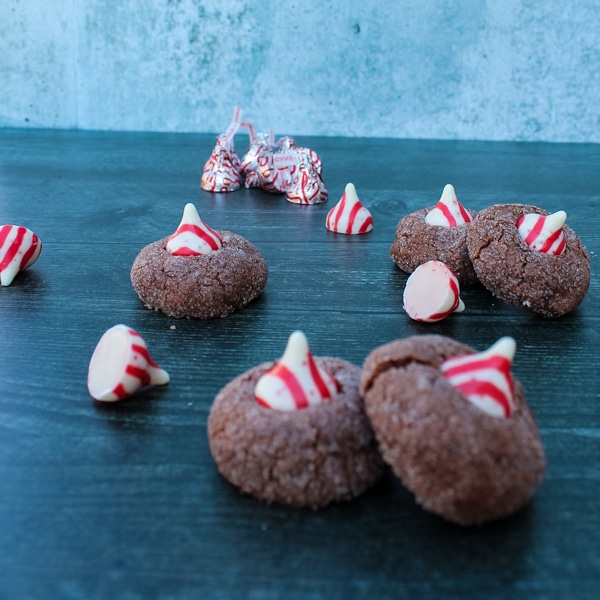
x,y
124,500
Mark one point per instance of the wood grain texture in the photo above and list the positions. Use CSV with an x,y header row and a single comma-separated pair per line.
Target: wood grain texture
x,y
124,501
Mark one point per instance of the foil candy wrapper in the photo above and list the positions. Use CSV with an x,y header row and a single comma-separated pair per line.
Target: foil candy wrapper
x,y
277,168
222,172
281,167
294,171
261,144
307,185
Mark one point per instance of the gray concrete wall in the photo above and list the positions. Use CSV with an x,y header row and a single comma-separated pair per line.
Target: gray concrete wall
x,y
470,69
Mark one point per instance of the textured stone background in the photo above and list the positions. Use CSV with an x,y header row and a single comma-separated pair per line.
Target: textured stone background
x,y
465,69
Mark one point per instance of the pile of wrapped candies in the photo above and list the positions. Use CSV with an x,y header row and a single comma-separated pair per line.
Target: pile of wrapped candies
x,y
280,167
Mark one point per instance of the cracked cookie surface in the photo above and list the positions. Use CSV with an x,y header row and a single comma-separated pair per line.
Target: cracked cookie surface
x,y
205,286
305,458
548,285
417,242
460,462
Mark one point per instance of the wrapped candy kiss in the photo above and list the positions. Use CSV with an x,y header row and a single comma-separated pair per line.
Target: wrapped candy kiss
x,y
222,171
307,186
276,166
281,171
259,150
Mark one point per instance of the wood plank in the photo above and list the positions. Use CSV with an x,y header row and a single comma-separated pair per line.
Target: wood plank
x,y
124,501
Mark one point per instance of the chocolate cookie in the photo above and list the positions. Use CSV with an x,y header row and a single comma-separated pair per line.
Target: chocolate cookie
x,y
204,286
305,458
461,463
547,284
418,242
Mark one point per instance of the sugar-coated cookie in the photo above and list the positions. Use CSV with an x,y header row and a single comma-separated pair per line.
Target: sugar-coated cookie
x,y
204,287
199,272
436,233
548,284
461,462
308,455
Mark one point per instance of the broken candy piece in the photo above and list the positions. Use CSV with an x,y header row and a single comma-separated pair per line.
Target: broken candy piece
x,y
543,233
349,215
448,212
121,364
432,293
19,249
222,171
484,378
295,381
193,237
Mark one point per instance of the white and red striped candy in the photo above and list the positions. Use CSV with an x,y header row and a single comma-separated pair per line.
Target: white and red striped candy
x,y
432,293
121,364
19,249
295,381
484,378
448,212
222,171
307,186
543,233
349,215
193,237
